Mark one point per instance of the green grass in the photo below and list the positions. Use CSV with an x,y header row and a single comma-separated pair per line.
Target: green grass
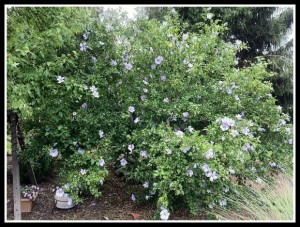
x,y
274,202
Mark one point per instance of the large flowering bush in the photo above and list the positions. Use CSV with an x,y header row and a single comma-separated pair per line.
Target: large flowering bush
x,y
171,109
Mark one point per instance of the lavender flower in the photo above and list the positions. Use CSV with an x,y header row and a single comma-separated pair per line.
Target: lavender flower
x,y
96,94
158,60
228,90
101,162
205,167
146,184
223,202
163,78
53,153
145,90
83,46
60,79
84,106
209,154
234,133
123,162
190,173
93,88
179,133
80,151
169,151
290,141
128,66
211,175
186,114
246,131
226,123
144,154
86,35
166,100
131,109
164,214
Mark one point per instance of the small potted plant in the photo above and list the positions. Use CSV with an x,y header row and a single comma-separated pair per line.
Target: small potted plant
x,y
28,195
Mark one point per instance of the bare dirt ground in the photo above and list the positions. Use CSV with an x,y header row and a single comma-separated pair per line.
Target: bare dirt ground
x,y
114,204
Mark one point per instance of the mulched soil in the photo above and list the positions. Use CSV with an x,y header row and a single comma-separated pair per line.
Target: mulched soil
x,y
114,204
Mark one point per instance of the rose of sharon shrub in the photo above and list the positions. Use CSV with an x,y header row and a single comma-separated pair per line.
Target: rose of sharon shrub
x,y
202,121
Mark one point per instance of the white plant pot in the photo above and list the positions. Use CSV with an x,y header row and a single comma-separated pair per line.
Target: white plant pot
x,y
62,203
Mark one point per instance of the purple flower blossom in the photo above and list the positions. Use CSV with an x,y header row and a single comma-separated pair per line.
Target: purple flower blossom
x,y
101,162
169,151
158,60
83,46
163,78
131,109
93,88
211,175
226,123
246,131
205,167
128,66
96,94
209,154
60,79
123,162
247,147
144,154
186,114
190,173
166,100
80,151
146,184
164,214
84,106
234,133
86,35
53,153
228,90
179,133
290,141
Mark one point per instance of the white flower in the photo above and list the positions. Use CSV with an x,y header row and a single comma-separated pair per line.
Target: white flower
x,y
169,151
101,182
190,65
234,133
186,149
185,62
83,171
130,147
96,94
237,98
190,128
60,79
147,197
166,100
185,36
53,153
209,154
179,133
101,133
223,202
74,143
131,109
190,173
273,164
133,197
74,113
93,88
238,116
186,114
136,120
231,170
209,16
145,90
101,162
226,189
144,154
164,214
